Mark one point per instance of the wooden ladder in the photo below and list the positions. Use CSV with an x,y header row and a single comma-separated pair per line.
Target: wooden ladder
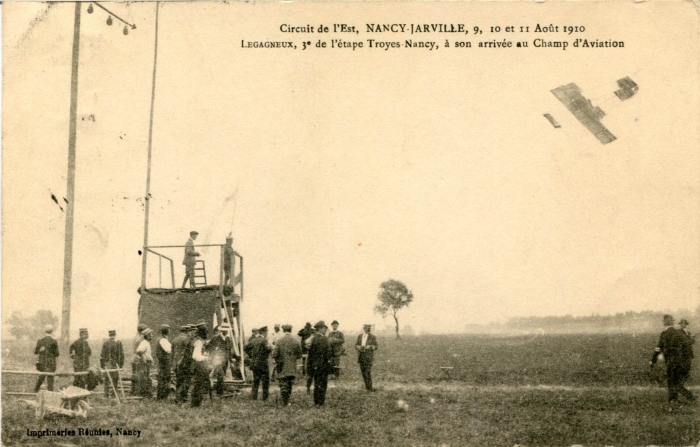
x,y
200,280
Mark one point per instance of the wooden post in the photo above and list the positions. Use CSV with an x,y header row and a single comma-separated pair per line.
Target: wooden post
x,y
147,199
70,184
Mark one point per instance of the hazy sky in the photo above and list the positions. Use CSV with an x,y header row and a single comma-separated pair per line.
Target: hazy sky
x,y
433,168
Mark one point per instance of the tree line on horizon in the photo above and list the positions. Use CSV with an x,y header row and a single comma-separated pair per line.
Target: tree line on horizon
x,y
630,321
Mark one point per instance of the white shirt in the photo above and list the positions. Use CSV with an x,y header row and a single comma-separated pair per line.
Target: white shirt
x,y
144,351
364,339
197,354
165,344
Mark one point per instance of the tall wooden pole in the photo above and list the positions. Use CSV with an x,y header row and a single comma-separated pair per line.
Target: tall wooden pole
x,y
70,189
148,168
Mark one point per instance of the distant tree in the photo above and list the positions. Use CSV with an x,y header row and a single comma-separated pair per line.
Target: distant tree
x,y
22,327
393,296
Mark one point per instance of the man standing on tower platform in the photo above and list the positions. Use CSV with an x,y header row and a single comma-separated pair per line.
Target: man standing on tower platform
x,y
47,350
229,259
111,357
189,261
80,353
164,355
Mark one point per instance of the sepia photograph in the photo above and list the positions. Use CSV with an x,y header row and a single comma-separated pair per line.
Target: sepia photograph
x,y
350,223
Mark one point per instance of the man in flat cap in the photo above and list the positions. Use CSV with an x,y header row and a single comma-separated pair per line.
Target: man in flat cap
x,y
320,359
182,362
286,353
80,353
366,345
164,350
111,357
219,350
337,342
47,350
200,365
190,259
684,330
258,350
672,345
143,361
135,386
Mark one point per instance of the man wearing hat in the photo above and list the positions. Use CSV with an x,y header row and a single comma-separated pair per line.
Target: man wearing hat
x,y
258,349
143,362
80,353
273,340
672,345
229,259
135,387
200,365
111,357
337,342
164,355
684,329
320,359
286,353
366,345
253,334
304,333
189,261
181,362
219,350
47,350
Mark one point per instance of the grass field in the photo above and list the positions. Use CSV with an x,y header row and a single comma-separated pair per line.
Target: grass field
x,y
536,390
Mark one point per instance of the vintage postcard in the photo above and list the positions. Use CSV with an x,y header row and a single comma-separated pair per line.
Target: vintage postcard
x,y
350,223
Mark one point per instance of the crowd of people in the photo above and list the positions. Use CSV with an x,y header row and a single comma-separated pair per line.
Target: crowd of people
x,y
193,365
198,364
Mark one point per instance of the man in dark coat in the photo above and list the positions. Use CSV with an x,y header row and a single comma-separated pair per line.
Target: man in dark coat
x,y
320,362
164,352
286,353
306,332
80,353
337,342
219,350
200,366
112,357
688,339
366,345
47,350
258,349
182,362
672,345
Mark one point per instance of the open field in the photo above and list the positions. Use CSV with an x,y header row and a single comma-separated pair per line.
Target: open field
x,y
537,390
